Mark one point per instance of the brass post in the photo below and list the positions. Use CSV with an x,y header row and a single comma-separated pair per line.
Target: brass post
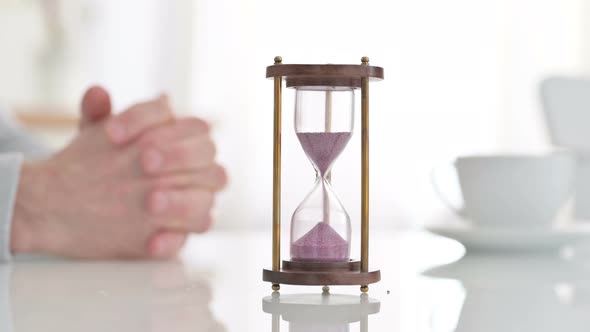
x,y
365,170
276,175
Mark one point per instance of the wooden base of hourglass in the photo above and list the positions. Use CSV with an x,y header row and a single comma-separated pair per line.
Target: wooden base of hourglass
x,y
321,274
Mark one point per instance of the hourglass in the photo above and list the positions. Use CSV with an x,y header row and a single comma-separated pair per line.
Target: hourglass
x,y
320,232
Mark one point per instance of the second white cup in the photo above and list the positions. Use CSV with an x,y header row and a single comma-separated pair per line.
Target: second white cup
x,y
513,190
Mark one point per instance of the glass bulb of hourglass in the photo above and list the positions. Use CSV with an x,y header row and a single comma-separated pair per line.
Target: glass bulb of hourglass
x,y
320,226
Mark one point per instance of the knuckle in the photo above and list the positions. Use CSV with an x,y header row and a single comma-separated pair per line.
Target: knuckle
x,y
147,113
164,102
153,200
175,152
176,250
146,160
162,108
211,148
191,155
131,115
198,125
184,206
143,252
204,195
206,152
150,139
220,176
195,205
179,155
204,224
205,199
160,182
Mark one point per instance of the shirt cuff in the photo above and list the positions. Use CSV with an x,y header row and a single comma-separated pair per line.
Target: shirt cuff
x,y
10,164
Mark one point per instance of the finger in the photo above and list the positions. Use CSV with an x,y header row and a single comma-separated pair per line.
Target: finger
x,y
213,178
96,105
188,154
181,129
138,119
166,244
194,225
167,204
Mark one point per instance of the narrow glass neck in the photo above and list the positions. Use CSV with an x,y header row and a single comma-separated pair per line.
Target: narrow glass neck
x,y
325,175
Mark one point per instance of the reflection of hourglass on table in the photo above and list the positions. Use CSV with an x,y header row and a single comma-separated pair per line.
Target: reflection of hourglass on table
x,y
314,312
320,226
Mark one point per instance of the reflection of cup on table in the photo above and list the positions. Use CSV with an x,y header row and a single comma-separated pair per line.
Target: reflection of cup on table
x,y
527,309
582,186
513,190
539,293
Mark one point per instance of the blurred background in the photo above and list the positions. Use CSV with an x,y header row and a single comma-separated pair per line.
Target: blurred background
x,y
461,77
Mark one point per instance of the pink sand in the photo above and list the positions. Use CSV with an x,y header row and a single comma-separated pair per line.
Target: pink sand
x,y
320,244
323,148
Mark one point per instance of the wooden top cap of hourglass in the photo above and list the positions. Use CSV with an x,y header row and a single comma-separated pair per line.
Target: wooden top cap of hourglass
x,y
324,75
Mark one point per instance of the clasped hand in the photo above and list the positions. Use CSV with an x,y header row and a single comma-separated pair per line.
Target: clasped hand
x,y
130,185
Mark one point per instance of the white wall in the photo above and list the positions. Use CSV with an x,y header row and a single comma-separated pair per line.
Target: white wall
x,y
52,50
461,77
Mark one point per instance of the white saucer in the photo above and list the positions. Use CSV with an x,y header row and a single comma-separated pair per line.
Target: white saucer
x,y
512,239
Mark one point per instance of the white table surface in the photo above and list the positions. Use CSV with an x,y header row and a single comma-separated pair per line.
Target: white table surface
x,y
216,286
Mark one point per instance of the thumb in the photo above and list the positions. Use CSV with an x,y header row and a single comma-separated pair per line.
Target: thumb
x,y
96,105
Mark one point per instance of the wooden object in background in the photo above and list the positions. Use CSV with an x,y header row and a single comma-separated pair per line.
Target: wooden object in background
x,y
43,118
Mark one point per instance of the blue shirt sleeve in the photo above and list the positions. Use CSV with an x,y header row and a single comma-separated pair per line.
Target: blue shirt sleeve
x,y
15,146
10,164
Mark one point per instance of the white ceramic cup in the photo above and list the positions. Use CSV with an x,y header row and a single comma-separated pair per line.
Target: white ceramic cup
x,y
513,190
